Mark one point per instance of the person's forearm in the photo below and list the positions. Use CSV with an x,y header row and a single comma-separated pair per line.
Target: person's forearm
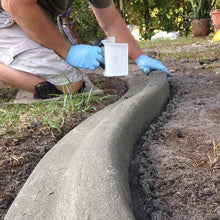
x,y
123,35
120,31
31,18
113,25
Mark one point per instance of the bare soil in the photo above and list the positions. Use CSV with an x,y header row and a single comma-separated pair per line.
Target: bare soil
x,y
175,172
20,152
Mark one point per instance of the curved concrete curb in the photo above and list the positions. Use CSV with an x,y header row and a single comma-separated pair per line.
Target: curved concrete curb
x,y
85,175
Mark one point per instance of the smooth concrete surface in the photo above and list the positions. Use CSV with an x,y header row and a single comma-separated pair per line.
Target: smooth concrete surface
x,y
85,175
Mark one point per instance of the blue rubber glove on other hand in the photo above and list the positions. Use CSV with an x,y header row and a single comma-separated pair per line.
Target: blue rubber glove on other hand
x,y
85,56
146,64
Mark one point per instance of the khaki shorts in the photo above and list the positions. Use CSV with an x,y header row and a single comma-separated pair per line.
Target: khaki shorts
x,y
20,52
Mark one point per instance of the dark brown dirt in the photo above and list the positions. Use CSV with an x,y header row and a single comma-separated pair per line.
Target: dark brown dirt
x,y
176,170
20,152
176,173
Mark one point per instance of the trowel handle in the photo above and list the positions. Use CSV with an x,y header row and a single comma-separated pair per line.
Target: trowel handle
x,y
101,64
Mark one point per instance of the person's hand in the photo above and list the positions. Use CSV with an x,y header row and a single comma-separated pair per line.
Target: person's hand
x,y
146,64
85,56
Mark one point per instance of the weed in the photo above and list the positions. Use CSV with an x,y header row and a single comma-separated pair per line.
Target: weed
x,y
52,113
7,94
213,157
216,149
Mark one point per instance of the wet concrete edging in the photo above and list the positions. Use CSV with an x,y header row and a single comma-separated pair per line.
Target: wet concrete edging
x,y
85,175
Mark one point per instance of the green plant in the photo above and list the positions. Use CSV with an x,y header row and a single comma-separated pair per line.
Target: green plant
x,y
216,149
214,156
84,19
201,8
216,5
54,113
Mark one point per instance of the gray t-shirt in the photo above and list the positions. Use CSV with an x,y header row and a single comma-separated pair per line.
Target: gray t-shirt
x,y
56,7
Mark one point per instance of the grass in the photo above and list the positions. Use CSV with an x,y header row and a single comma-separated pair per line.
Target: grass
x,y
181,41
216,149
180,48
213,52
53,113
214,156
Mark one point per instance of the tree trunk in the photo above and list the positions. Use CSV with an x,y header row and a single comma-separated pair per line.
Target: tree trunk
x,y
146,13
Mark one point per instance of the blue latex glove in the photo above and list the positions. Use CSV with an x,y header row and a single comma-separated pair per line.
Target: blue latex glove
x,y
85,56
146,64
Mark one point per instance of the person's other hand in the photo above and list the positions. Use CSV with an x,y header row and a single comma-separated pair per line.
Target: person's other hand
x,y
85,56
146,64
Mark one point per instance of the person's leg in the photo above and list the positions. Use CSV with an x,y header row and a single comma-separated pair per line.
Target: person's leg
x,y
27,81
19,79
25,64
71,87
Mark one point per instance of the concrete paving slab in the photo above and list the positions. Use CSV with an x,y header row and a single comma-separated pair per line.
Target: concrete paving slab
x,y
85,175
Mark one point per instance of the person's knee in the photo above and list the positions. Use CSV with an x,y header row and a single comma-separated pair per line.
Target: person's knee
x,y
71,87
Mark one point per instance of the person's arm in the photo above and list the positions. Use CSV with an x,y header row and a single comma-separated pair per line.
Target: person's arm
x,y
31,18
113,25
34,22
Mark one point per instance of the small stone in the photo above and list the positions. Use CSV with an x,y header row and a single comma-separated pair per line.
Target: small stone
x,y
179,134
165,135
